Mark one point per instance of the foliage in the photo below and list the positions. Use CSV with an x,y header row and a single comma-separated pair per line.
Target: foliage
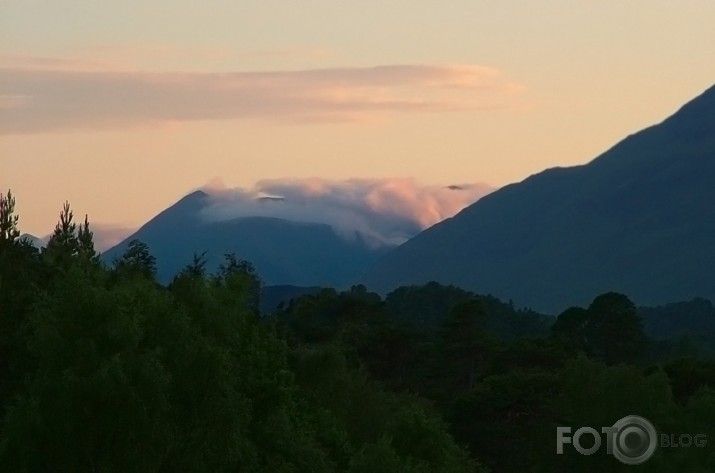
x,y
137,260
9,232
104,369
610,329
63,244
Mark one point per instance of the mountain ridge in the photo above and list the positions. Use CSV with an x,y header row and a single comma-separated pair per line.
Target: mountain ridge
x,y
649,185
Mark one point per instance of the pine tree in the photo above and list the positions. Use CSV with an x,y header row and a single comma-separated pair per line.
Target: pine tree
x,y
137,259
63,244
85,241
197,267
9,232
65,235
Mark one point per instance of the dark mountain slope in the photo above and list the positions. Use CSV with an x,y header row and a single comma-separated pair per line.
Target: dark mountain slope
x,y
283,252
639,219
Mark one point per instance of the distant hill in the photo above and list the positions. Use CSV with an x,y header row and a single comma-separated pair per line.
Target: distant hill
x,y
639,219
283,252
694,319
35,241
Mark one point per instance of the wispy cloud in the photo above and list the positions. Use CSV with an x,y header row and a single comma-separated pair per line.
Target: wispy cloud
x,y
49,94
383,211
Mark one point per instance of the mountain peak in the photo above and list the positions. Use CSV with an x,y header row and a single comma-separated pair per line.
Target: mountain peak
x,y
194,196
191,202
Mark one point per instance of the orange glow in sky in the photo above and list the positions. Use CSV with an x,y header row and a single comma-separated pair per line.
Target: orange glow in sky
x,y
123,107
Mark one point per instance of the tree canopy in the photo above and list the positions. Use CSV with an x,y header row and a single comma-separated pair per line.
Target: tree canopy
x,y
104,369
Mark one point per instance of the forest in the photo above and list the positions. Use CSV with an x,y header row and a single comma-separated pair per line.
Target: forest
x,y
103,369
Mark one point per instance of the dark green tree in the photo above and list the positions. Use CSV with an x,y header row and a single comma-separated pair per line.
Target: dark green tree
x,y
571,328
19,288
242,277
592,393
388,432
688,375
131,377
197,267
614,331
85,243
507,420
426,305
9,232
610,329
63,246
136,260
463,346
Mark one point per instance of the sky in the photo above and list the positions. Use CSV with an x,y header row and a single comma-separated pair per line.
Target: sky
x,y
122,108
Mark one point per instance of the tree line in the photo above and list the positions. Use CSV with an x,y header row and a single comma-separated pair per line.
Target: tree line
x,y
103,369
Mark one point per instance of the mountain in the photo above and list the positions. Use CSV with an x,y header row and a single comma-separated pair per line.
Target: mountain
x,y
639,219
35,241
283,252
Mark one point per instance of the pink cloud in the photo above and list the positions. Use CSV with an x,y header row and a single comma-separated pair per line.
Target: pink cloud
x,y
384,211
68,95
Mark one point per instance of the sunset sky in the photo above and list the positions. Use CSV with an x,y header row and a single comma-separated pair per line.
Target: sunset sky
x,y
124,107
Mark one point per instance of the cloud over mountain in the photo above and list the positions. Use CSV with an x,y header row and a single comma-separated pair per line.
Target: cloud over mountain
x,y
383,211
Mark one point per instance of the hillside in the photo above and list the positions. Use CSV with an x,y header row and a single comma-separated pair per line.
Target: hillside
x,y
283,252
638,219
